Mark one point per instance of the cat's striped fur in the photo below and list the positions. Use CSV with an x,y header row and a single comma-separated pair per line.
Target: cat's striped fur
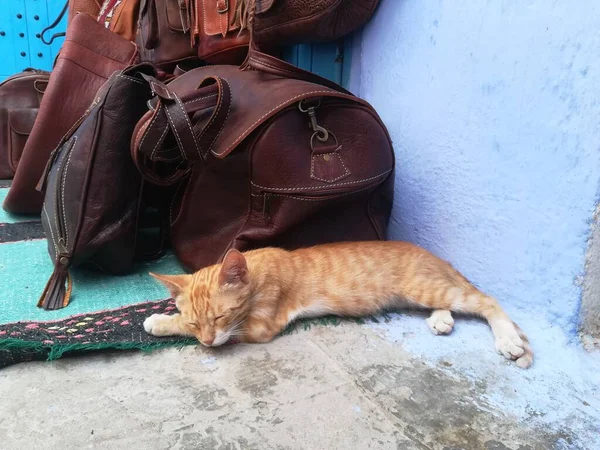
x,y
255,295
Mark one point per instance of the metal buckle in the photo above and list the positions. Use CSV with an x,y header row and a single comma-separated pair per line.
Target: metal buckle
x,y
224,10
321,133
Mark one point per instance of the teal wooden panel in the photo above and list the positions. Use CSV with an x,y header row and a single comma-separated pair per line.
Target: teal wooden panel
x,y
346,61
305,52
324,57
290,54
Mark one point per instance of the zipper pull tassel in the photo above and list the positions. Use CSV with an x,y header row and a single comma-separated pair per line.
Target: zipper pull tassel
x,y
56,295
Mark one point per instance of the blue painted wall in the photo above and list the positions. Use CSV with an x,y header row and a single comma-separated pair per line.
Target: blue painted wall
x,y
494,110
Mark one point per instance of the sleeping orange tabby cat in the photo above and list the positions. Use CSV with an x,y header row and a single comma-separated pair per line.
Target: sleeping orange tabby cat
x,y
255,295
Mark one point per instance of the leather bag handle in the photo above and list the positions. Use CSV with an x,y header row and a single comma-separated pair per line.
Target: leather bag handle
x,y
171,113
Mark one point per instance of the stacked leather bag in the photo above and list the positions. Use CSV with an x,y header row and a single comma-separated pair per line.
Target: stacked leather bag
x,y
217,31
228,156
279,158
20,97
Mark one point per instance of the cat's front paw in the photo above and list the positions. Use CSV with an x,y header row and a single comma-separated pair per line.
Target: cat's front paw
x,y
440,322
158,325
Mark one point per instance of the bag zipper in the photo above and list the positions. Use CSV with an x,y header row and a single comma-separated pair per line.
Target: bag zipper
x,y
63,256
56,295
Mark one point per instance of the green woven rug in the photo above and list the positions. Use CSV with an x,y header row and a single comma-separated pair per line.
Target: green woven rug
x,y
106,312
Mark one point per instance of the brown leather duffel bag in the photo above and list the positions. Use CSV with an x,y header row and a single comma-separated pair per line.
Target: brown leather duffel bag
x,y
90,54
265,159
20,97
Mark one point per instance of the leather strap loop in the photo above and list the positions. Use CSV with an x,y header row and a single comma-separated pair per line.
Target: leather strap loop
x,y
208,135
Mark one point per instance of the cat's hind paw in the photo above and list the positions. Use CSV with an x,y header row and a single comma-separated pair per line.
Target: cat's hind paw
x,y
158,325
440,322
512,343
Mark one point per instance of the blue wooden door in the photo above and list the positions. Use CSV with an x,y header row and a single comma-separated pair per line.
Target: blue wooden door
x,y
21,22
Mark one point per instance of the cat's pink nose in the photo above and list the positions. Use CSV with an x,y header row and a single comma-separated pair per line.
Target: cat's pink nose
x,y
208,342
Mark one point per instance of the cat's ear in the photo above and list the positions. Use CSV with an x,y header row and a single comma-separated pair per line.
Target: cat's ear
x,y
175,283
234,269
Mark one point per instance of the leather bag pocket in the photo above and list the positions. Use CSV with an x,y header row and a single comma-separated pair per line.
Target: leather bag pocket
x,y
20,123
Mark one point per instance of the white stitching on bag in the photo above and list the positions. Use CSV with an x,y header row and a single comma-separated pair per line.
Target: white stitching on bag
x,y
51,232
64,179
293,197
224,121
312,166
159,141
290,100
200,98
321,187
187,119
135,80
176,134
146,129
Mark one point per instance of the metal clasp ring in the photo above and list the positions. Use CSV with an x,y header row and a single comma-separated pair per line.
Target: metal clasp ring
x,y
327,135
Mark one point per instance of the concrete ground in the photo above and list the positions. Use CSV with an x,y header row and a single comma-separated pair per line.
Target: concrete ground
x,y
346,387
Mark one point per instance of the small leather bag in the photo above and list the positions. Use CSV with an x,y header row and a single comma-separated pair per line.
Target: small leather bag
x,y
163,34
125,19
285,158
20,97
91,7
289,22
89,55
73,7
171,31
218,35
92,188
